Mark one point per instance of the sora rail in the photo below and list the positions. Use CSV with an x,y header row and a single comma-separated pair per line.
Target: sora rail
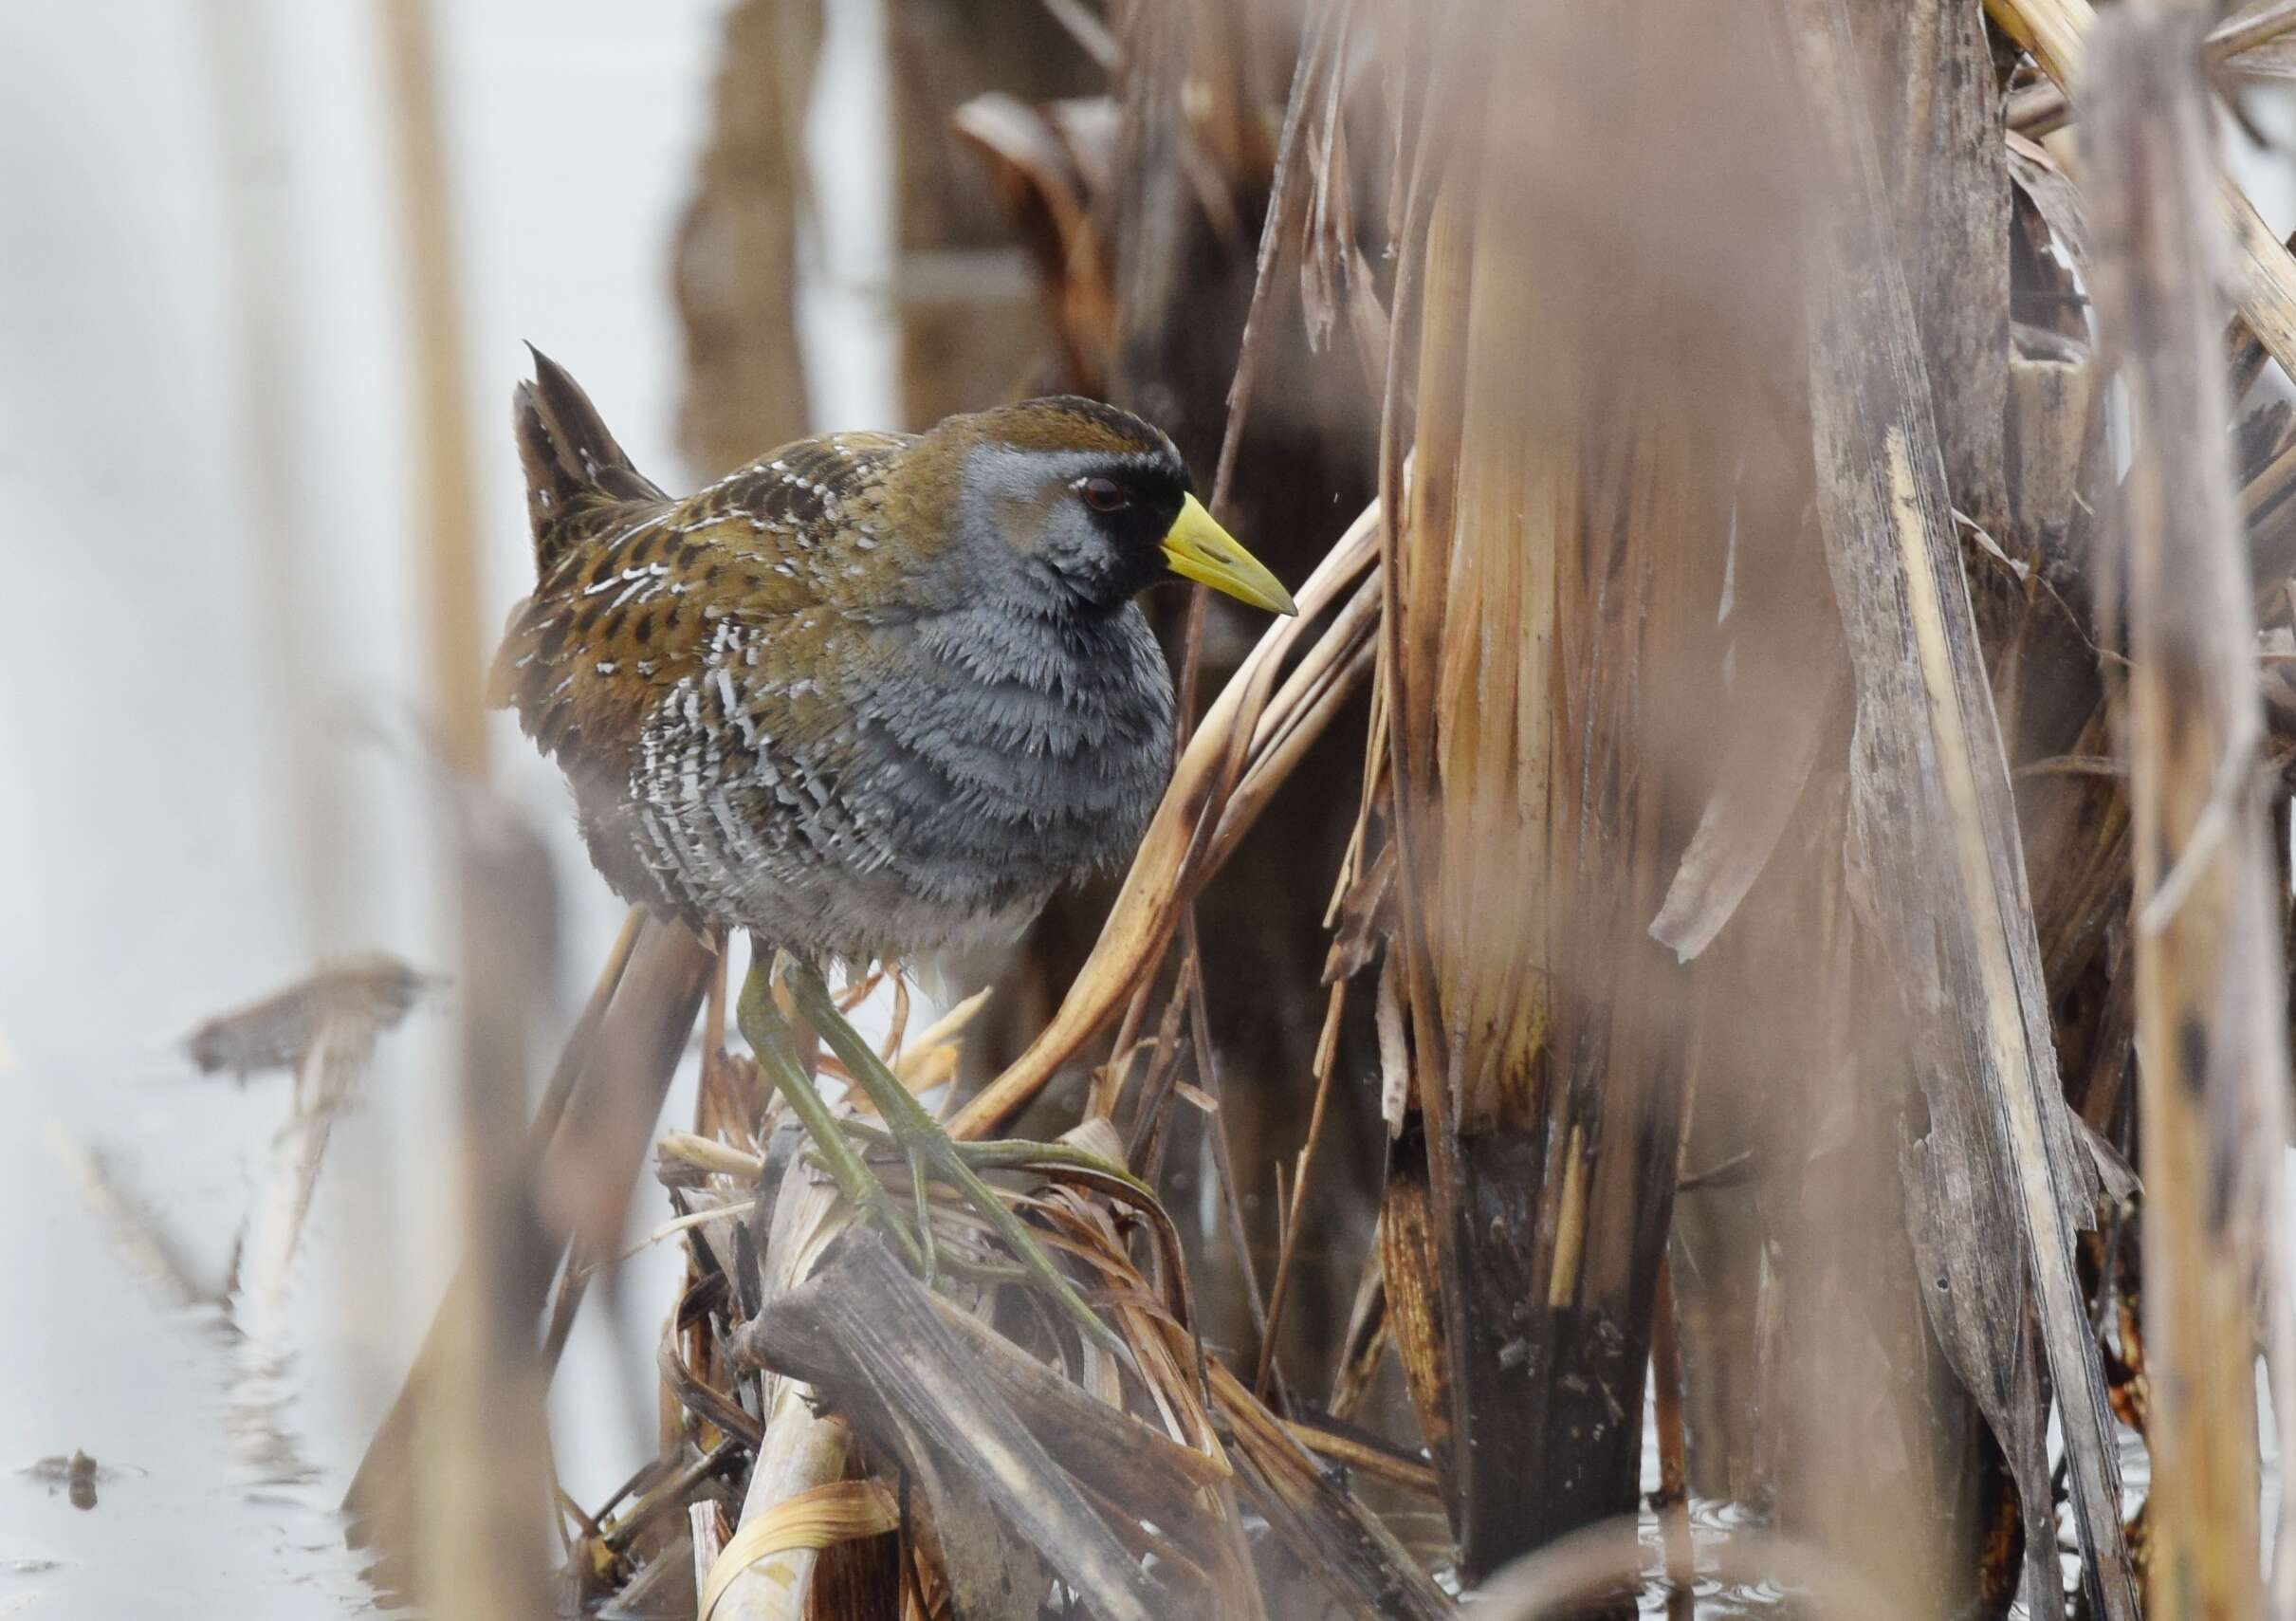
x,y
873,697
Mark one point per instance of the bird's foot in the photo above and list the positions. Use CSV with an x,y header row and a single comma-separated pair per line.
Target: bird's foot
x,y
932,1156
776,1046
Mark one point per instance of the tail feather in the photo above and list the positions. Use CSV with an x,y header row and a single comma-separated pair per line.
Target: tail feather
x,y
574,466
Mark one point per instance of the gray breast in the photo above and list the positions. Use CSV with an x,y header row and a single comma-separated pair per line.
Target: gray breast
x,y
994,757
1008,752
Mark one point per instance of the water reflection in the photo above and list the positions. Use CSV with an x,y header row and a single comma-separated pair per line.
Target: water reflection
x,y
185,1475
1714,1599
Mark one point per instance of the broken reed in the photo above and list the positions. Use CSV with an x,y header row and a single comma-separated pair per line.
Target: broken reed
x,y
2211,993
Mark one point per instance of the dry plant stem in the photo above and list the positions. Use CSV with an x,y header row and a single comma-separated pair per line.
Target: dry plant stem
x,y
483,1440
1088,31
2261,271
1674,1462
1396,753
673,971
804,1447
714,1109
1127,1043
897,1031
479,1517
1324,679
326,1082
1364,1348
148,1250
1457,78
1551,576
693,1391
875,1340
2210,1025
1287,203
1932,798
1373,1462
1161,1096
2270,486
1231,1191
1325,1528
1170,866
735,263
705,1526
2040,109
275,1233
1279,748
1151,1131
1915,1528
1287,197
386,1449
449,529
713,1005
656,1491
575,1053
1329,671
1293,1210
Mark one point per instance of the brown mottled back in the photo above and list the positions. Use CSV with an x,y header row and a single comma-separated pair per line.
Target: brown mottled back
x,y
785,704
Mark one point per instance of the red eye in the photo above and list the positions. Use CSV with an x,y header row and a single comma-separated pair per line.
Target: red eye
x,y
1105,495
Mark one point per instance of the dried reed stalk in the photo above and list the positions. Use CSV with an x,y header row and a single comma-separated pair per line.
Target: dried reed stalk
x,y
2261,269
1546,663
875,1341
968,326
1935,831
804,1448
2211,1029
448,537
2038,109
482,1442
478,1522
276,434
617,1063
736,261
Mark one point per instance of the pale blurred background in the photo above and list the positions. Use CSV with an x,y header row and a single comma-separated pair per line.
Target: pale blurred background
x,y
212,679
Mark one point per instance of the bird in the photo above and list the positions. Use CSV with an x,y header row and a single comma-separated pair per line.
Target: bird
x,y
872,698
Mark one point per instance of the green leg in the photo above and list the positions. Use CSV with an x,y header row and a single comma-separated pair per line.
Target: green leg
x,y
1013,1153
776,1046
920,1189
928,1148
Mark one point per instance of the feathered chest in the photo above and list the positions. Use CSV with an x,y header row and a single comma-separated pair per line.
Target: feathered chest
x,y
927,782
1018,740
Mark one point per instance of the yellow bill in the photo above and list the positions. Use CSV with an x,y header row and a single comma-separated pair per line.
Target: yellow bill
x,y
1199,549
